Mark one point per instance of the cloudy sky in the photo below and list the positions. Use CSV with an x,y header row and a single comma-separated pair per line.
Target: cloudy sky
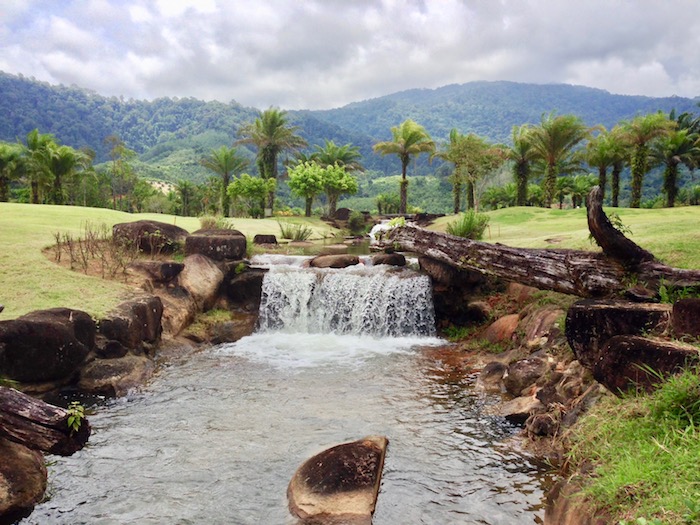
x,y
314,54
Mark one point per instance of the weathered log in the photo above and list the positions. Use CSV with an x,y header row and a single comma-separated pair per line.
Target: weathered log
x,y
576,272
39,425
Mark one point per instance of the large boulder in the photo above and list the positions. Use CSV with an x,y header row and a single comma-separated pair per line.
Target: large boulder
x,y
217,244
22,480
334,261
590,323
633,362
244,290
45,345
179,309
202,278
150,236
392,259
115,377
341,484
524,373
134,323
502,329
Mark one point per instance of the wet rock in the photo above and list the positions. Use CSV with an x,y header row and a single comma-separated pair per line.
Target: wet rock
x,y
334,261
491,377
22,480
632,362
115,377
339,485
261,238
134,323
202,279
392,259
517,410
502,329
218,245
686,318
590,323
244,290
45,345
523,374
150,236
542,425
231,331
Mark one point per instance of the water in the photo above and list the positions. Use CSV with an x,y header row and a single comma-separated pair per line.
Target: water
x,y
216,438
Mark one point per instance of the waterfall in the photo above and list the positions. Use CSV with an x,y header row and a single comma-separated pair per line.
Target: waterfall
x,y
380,301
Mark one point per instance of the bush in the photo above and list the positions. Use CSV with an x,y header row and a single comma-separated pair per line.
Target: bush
x,y
470,225
356,223
211,222
295,232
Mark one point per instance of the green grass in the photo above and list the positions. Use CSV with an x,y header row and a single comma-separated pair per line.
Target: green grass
x,y
29,281
646,452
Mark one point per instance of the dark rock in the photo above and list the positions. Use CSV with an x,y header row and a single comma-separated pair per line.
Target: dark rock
x,y
150,236
110,349
218,245
115,377
264,239
491,376
633,362
523,374
45,345
161,273
686,318
134,322
393,259
231,331
341,484
541,425
22,480
640,294
245,289
342,214
590,323
334,261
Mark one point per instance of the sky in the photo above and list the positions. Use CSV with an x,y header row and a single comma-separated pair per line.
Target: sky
x,y
320,54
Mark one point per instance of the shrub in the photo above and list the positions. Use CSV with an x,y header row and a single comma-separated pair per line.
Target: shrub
x,y
295,232
356,223
470,225
215,222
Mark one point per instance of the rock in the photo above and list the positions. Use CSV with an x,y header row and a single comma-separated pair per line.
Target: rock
x,y
342,214
109,349
334,249
523,374
491,377
179,309
502,329
45,345
244,290
218,245
134,323
202,279
150,236
160,273
541,425
439,272
393,259
590,323
115,377
22,480
517,410
640,294
686,318
479,311
231,331
539,323
341,484
631,362
520,292
334,261
264,239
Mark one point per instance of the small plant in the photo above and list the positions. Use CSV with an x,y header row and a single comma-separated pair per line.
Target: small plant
x,y
76,415
470,225
356,223
396,222
215,222
240,268
295,232
641,521
457,333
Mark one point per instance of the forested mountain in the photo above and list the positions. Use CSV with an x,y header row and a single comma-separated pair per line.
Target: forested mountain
x,y
171,135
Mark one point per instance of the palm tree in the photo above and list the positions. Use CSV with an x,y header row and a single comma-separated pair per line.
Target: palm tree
x,y
271,134
554,141
225,162
347,156
639,133
64,162
619,152
600,155
676,148
37,154
451,153
522,154
408,139
186,191
10,159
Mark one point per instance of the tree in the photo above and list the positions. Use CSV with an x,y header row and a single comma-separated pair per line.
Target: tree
x,y
225,162
37,153
10,158
347,156
336,182
271,134
553,142
185,190
65,163
408,139
671,151
453,153
521,153
600,154
306,180
250,193
639,133
121,172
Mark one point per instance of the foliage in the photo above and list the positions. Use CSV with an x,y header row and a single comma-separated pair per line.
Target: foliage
x,y
295,232
215,222
306,180
470,225
225,162
249,194
76,415
356,223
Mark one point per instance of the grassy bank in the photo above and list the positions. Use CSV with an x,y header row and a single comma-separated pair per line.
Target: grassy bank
x,y
30,281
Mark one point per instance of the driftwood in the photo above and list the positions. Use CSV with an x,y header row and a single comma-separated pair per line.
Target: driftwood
x,y
577,272
38,425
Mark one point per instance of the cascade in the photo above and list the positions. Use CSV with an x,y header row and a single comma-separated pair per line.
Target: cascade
x,y
380,301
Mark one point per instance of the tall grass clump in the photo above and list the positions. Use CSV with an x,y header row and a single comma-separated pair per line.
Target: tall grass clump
x,y
645,451
215,222
470,225
295,232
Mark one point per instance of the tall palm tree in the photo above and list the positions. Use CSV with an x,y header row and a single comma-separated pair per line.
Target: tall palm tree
x,y
271,134
554,141
639,133
408,139
346,155
600,155
451,153
619,152
186,191
521,153
37,154
10,159
671,151
225,162
65,162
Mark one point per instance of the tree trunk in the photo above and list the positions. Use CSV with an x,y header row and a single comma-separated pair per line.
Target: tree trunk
x,y
602,179
39,425
615,183
457,197
404,196
309,203
576,272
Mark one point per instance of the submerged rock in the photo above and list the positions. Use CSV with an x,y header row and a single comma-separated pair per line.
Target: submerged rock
x,y
339,485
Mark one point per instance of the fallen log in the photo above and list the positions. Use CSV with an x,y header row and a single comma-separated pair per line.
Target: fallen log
x,y
583,273
39,425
